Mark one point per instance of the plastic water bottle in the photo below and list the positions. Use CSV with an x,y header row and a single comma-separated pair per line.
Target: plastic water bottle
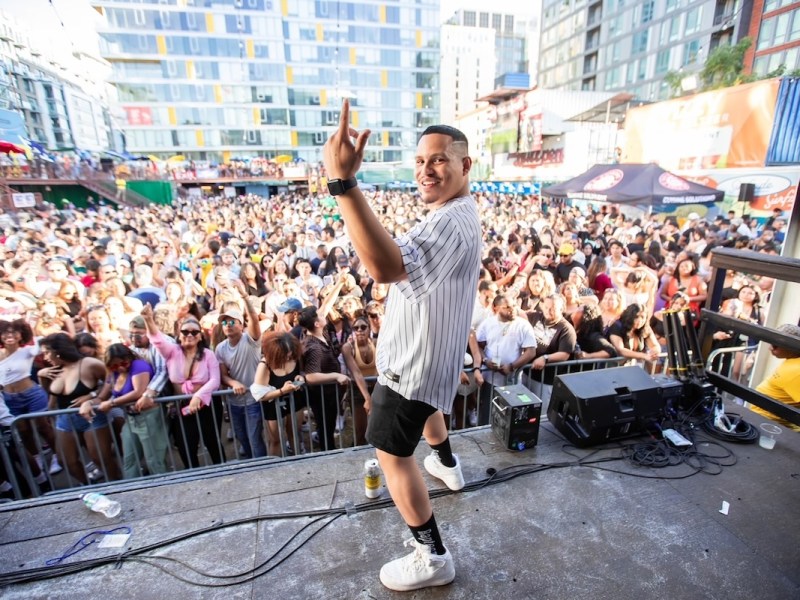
x,y
102,504
372,478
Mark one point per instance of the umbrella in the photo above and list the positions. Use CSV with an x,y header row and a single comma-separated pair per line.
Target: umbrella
x,y
283,158
634,184
8,148
118,155
177,158
153,158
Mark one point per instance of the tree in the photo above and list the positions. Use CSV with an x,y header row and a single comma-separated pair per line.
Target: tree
x,y
723,67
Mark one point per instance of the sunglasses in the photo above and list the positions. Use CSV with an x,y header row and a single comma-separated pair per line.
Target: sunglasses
x,y
374,315
190,332
360,328
228,322
138,335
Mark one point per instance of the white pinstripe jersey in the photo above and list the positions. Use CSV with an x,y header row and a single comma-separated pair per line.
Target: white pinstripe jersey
x,y
424,333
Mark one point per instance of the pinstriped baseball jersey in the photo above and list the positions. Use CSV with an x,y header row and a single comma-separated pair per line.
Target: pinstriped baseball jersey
x,y
424,333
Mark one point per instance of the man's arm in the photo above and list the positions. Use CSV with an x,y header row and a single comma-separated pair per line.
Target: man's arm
x,y
373,244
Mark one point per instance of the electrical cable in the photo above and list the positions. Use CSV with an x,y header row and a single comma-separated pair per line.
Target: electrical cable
x,y
653,453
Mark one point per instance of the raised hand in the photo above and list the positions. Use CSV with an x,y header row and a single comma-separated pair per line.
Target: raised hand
x,y
341,156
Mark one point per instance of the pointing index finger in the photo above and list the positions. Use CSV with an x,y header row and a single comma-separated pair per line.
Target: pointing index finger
x,y
344,118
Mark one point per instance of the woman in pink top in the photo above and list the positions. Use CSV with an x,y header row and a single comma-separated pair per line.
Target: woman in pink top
x,y
194,371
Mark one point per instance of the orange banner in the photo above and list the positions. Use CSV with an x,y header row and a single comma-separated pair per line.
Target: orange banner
x,y
714,130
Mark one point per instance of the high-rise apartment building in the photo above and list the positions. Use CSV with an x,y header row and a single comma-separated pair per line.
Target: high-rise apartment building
x,y
631,44
511,36
775,31
60,99
467,68
218,79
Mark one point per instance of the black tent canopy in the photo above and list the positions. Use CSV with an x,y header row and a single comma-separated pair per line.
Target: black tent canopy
x,y
634,184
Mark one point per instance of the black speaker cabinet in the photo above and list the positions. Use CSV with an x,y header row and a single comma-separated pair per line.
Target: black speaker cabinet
x,y
607,404
515,416
747,192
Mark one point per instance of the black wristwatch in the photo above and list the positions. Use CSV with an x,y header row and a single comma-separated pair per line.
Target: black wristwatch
x,y
337,187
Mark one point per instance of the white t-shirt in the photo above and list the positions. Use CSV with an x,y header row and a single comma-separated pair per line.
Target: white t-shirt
x,y
505,342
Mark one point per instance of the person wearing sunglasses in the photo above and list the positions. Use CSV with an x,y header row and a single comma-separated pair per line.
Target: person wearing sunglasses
x,y
359,357
194,371
238,355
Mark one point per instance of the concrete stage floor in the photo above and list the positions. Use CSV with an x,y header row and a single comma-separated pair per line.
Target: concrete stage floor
x,y
573,532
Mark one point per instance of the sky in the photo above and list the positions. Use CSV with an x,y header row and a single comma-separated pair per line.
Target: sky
x,y
44,18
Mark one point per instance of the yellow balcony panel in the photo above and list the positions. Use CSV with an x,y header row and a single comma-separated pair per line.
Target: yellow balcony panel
x,y
354,117
294,139
384,78
200,137
320,33
226,156
285,8
419,38
173,117
218,94
161,44
209,23
289,75
257,116
323,98
419,99
353,56
190,74
382,13
251,48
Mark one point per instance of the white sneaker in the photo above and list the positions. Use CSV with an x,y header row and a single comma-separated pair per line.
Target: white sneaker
x,y
452,476
417,570
472,417
55,466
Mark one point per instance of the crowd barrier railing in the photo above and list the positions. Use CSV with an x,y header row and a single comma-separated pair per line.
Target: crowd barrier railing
x,y
161,440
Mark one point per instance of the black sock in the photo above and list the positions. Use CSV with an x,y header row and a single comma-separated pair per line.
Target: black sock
x,y
428,534
445,453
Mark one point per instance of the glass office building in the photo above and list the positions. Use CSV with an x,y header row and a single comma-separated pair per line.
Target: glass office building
x,y
220,79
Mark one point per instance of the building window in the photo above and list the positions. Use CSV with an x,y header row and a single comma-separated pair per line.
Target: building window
x,y
509,27
647,11
662,62
693,19
640,39
497,21
690,52
469,18
484,19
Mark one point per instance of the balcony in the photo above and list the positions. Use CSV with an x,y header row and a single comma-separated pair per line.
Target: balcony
x,y
725,20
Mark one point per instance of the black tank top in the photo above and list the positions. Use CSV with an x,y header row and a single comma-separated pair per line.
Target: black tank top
x,y
277,381
64,400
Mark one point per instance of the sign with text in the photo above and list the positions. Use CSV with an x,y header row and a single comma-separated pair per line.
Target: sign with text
x,y
23,200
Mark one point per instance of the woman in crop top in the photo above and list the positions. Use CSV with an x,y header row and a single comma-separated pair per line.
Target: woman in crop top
x,y
73,380
145,432
359,358
18,348
278,375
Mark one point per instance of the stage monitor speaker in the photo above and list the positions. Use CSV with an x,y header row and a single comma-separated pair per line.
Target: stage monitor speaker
x,y
747,192
606,404
515,416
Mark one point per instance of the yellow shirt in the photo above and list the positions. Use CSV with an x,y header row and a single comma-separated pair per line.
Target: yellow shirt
x,y
783,385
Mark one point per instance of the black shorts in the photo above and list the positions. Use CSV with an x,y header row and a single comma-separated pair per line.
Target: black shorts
x,y
270,409
395,423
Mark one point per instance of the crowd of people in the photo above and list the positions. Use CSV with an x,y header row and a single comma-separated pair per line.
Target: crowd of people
x,y
106,310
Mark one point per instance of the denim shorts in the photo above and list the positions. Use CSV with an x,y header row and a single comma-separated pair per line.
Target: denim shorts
x,y
34,399
395,423
75,422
